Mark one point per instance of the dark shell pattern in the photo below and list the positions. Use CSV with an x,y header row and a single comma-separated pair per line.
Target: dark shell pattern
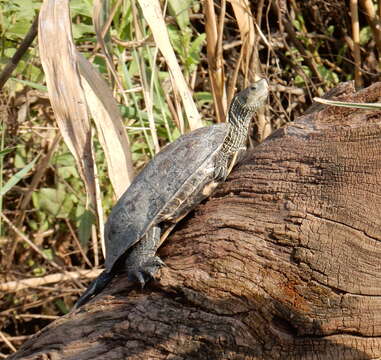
x,y
162,189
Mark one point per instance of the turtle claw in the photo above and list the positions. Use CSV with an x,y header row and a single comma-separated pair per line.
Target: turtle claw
x,y
220,173
145,272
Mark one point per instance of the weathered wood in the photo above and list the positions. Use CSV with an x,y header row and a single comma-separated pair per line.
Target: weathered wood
x,y
283,263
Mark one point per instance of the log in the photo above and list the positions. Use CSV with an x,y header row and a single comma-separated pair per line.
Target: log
x,y
283,262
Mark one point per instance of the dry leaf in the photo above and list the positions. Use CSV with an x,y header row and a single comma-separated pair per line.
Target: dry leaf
x,y
74,86
109,123
215,59
58,58
245,22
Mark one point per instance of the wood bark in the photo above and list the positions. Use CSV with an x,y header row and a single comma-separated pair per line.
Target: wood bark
x,y
283,262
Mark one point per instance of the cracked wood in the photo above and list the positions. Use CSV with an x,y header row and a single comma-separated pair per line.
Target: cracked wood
x,y
284,262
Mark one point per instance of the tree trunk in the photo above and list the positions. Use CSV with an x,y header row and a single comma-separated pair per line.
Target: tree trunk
x,y
284,262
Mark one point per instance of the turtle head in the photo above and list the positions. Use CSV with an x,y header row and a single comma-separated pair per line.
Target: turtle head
x,y
246,102
255,95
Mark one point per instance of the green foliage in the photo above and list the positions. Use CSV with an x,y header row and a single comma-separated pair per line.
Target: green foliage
x,y
5,152
60,195
16,178
65,200
203,97
16,17
329,30
31,84
365,35
65,165
180,10
187,47
85,219
298,22
63,197
82,10
81,7
60,200
53,201
61,306
328,75
13,180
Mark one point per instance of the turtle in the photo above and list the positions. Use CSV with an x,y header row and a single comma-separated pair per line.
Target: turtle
x,y
178,178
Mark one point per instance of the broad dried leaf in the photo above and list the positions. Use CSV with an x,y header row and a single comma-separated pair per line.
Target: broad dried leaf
x,y
109,123
245,22
215,60
58,58
93,92
154,17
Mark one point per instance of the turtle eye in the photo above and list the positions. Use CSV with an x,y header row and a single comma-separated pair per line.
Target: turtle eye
x,y
253,87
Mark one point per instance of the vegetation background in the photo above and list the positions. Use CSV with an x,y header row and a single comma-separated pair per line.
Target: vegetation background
x,y
49,233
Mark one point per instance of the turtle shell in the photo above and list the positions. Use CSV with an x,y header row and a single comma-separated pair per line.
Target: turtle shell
x,y
177,174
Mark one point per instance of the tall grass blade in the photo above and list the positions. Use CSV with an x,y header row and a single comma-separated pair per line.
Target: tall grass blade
x,y
366,106
17,177
6,151
102,20
154,17
108,120
147,89
31,84
215,60
245,21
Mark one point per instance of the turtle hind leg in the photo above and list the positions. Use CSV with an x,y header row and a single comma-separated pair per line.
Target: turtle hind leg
x,y
142,263
146,271
95,287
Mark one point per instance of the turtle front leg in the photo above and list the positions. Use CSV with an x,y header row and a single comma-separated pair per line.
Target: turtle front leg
x,y
221,166
142,263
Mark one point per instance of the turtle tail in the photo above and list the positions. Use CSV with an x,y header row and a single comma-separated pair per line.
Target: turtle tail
x,y
95,287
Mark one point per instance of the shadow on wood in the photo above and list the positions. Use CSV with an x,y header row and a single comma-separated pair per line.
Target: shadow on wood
x,y
284,262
